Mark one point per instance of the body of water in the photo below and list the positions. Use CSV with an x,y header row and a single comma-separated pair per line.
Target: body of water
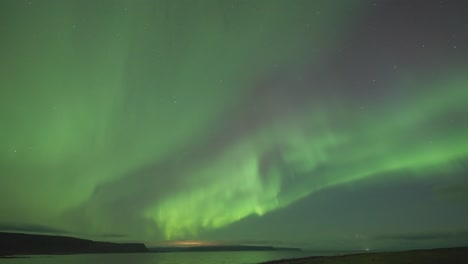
x,y
246,257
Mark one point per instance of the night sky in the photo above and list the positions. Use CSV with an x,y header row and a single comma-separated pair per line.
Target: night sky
x,y
322,124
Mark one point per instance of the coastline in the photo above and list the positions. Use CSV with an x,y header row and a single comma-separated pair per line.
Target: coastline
x,y
420,256
15,244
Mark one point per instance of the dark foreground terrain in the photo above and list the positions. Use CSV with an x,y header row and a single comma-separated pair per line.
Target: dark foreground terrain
x,y
27,244
427,256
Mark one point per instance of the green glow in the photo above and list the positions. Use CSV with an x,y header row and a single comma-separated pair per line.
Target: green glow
x,y
371,146
106,97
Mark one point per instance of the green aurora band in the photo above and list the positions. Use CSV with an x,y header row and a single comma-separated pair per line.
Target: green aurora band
x,y
315,156
90,101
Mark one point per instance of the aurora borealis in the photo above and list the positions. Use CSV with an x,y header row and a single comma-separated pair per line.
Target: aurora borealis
x,y
320,124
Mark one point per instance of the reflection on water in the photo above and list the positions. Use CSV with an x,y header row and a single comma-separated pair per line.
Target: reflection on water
x,y
169,258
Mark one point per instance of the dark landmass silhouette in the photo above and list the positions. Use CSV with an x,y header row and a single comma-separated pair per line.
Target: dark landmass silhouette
x,y
29,244
457,255
221,248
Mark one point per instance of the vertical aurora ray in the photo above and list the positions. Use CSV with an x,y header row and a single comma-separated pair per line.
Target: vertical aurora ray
x,y
173,119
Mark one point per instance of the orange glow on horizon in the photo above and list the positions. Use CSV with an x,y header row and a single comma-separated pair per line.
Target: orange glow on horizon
x,y
191,243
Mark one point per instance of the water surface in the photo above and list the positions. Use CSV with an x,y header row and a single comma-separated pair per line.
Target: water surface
x,y
169,258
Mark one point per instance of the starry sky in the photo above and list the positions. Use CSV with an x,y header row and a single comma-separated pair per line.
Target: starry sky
x,y
322,124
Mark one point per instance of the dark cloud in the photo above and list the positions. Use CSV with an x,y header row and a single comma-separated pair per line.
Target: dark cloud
x,y
456,190
30,228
